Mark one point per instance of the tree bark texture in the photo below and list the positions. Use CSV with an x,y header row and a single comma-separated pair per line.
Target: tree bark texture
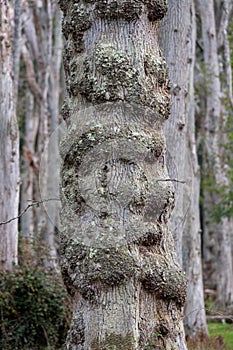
x,y
9,145
117,254
41,57
217,236
177,35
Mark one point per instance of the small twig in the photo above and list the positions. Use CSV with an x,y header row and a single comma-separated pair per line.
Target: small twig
x,y
174,180
35,203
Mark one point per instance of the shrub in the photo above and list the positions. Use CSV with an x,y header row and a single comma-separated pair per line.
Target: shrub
x,y
34,309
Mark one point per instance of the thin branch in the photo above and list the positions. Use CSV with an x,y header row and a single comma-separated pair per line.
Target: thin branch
x,y
174,180
35,203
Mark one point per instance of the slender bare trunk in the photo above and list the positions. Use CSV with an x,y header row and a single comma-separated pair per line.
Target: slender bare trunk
x,y
178,40
9,145
217,247
41,54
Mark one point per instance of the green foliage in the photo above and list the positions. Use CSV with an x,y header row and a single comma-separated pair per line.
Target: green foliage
x,y
221,338
34,310
224,330
224,208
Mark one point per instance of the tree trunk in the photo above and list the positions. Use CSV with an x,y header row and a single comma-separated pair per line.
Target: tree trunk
x,y
9,146
41,53
16,43
117,254
178,40
217,246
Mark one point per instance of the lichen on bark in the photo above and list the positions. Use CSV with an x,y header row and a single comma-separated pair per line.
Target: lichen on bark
x,y
116,251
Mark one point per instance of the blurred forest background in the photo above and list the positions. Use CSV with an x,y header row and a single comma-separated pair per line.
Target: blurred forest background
x,y
196,38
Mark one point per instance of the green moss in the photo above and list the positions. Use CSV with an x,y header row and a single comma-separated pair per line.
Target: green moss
x,y
114,342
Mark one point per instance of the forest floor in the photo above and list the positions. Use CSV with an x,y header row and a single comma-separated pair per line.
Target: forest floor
x,y
221,338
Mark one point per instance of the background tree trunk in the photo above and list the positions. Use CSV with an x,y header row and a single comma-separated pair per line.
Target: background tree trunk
x,y
178,39
217,246
117,254
41,56
9,145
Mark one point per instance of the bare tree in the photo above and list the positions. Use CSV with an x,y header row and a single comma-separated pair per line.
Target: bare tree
x,y
9,144
178,41
217,235
41,58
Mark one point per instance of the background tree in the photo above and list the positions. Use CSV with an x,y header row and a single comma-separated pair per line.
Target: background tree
x,y
214,66
9,145
117,255
178,40
41,53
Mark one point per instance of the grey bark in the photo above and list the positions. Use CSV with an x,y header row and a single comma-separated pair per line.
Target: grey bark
x,y
117,254
41,53
16,43
9,145
178,40
217,247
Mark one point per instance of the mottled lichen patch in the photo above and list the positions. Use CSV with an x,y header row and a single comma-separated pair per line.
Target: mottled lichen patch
x,y
98,268
130,10
156,65
75,25
65,111
114,342
168,284
76,334
151,238
113,77
157,9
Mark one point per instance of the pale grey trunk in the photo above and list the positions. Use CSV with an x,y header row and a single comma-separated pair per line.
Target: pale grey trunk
x,y
217,247
225,279
177,38
9,145
52,207
117,254
41,54
16,43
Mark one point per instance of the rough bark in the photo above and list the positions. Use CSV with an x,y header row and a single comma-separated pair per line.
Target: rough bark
x,y
178,40
16,43
9,146
217,247
41,56
117,254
